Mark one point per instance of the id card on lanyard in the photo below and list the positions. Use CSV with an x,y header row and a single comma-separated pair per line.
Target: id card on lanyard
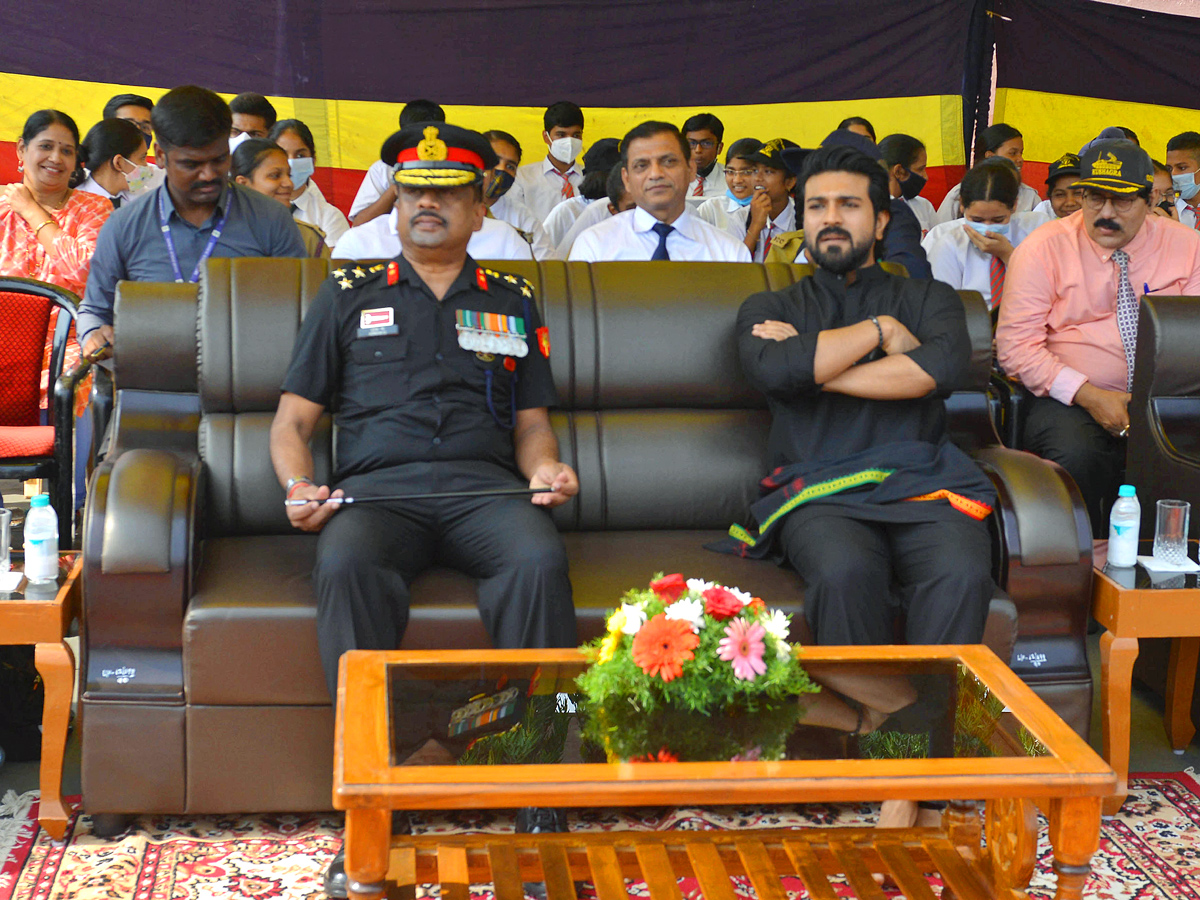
x,y
164,223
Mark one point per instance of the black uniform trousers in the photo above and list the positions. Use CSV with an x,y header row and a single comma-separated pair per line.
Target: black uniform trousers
x,y
369,554
1069,436
859,574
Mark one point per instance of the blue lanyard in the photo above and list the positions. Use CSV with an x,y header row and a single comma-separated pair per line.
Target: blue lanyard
x,y
208,248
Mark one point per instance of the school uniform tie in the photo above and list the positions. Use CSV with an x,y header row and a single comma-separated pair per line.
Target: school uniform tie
x,y
662,229
997,269
1127,312
698,190
568,189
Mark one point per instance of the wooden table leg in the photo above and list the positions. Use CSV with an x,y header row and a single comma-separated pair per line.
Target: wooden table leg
x,y
368,836
1181,681
56,664
1075,836
1117,656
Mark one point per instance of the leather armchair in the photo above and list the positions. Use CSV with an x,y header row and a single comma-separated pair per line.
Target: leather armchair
x,y
201,664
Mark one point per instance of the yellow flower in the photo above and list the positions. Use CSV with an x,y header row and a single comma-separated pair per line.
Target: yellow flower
x,y
612,641
616,622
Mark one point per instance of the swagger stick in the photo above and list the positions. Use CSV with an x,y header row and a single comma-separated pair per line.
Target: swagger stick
x,y
439,495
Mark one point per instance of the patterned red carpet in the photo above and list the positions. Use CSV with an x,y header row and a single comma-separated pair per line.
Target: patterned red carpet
x,y
1150,852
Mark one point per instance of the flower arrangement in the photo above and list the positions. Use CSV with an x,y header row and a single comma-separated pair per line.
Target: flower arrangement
x,y
691,670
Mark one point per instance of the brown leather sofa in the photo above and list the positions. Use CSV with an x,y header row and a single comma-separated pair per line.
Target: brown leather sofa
x,y
203,691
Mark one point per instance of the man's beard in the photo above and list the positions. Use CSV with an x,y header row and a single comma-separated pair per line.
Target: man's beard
x,y
838,261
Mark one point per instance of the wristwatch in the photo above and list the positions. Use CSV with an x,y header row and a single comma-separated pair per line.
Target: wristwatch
x,y
292,482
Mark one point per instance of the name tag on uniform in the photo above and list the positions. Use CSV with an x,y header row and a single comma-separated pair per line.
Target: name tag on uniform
x,y
377,322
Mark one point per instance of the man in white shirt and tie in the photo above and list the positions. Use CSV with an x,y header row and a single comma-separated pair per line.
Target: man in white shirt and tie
x,y
543,185
657,172
705,135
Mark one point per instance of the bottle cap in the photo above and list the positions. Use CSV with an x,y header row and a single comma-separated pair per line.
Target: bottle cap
x,y
44,500
1126,490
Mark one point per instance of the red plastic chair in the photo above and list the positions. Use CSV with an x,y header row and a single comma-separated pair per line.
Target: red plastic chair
x,y
29,449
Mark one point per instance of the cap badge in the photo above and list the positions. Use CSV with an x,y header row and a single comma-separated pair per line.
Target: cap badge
x,y
432,148
1109,167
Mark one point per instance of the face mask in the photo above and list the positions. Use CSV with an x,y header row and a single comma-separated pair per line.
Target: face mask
x,y
912,186
565,150
1185,185
740,201
140,179
501,182
301,170
236,142
989,227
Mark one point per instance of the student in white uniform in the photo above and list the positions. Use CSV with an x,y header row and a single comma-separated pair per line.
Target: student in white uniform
x,y
656,172
1183,159
115,153
617,200
542,185
598,162
498,196
906,159
995,140
772,211
370,201
1163,199
973,254
728,212
308,203
705,134
1062,197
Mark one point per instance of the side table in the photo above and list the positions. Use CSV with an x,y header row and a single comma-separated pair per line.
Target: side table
x,y
1132,604
42,617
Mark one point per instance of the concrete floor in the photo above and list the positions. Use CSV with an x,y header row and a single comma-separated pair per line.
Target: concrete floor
x,y
1150,751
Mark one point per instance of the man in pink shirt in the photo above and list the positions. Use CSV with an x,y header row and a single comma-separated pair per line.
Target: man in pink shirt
x,y
1068,323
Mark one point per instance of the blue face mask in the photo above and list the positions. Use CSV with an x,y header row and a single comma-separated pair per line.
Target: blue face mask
x,y
989,227
738,200
1185,185
301,170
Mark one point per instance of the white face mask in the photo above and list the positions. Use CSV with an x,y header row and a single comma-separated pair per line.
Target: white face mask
x,y
565,150
142,179
236,142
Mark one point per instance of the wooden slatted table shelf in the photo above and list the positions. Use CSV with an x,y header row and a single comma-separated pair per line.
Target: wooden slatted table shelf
x,y
1025,757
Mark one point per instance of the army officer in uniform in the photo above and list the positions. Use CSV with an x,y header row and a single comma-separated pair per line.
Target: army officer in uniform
x,y
438,375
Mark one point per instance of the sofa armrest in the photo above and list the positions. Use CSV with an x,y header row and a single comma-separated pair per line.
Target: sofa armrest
x,y
138,542
1044,561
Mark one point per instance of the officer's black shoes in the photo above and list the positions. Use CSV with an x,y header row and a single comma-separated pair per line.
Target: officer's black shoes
x,y
335,877
541,820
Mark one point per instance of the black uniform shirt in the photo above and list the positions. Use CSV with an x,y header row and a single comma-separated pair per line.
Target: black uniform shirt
x,y
386,359
810,425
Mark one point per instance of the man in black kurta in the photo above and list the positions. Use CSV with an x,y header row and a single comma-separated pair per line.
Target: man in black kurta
x,y
869,501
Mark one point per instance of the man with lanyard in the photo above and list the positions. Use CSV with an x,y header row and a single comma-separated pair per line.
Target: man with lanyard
x,y
168,233
867,499
438,375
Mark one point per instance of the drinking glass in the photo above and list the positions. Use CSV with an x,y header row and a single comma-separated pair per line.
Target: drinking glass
x,y
1170,532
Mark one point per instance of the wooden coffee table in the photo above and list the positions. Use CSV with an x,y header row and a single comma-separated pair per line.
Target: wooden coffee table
x,y
1131,604
1016,756
42,617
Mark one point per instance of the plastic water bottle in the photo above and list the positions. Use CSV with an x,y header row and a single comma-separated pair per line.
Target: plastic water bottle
x,y
1124,523
41,541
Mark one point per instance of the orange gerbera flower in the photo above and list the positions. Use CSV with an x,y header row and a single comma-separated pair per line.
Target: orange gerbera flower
x,y
663,645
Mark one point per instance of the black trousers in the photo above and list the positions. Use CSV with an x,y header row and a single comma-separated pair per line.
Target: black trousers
x,y
860,574
1069,436
368,555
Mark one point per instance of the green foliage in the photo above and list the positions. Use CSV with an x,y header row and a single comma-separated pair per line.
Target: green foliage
x,y
706,713
537,739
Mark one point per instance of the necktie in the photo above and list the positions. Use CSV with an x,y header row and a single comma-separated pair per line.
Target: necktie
x,y
698,190
765,244
116,202
568,189
662,229
997,272
1127,312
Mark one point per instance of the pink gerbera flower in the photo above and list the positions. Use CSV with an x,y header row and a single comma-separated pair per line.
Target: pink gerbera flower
x,y
743,647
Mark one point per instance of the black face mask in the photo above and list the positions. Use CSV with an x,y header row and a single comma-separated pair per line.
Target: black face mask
x,y
912,185
501,182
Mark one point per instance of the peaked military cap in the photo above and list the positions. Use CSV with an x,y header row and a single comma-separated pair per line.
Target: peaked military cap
x,y
437,154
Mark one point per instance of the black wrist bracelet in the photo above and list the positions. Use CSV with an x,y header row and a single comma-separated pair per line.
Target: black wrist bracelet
x,y
878,328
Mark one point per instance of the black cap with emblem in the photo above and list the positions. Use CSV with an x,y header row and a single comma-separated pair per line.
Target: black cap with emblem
x,y
437,154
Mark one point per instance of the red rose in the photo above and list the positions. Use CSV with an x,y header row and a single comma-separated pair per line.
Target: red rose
x,y
720,603
756,605
669,587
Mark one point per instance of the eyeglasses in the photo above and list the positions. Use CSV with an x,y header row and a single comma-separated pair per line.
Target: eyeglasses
x,y
144,127
701,145
740,173
1096,200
